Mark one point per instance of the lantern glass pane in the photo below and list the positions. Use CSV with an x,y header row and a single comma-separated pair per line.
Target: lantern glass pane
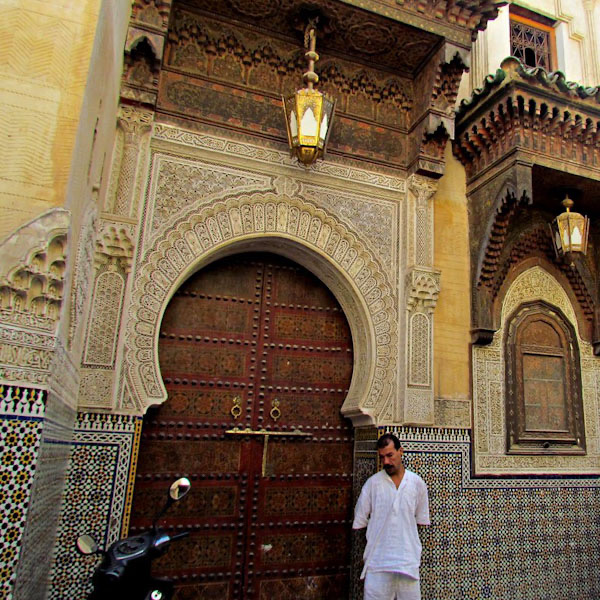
x,y
293,124
324,126
566,241
308,125
558,241
576,237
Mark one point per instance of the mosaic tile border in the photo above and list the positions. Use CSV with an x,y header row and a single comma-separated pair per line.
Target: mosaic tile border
x,y
458,441
498,538
19,446
99,483
21,425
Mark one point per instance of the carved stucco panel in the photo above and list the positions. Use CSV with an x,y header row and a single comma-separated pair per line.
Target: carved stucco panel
x,y
489,391
419,350
105,316
340,259
421,249
95,388
418,406
179,183
130,149
537,285
375,217
283,185
82,281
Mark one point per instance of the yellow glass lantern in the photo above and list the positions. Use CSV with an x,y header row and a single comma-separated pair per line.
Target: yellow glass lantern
x,y
308,113
570,232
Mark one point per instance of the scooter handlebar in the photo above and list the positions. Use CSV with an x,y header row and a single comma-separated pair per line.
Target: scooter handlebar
x,y
179,536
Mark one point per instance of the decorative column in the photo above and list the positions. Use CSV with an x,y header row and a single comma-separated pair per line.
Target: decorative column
x,y
422,289
112,262
133,124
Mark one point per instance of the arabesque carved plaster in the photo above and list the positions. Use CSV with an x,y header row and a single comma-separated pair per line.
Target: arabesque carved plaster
x,y
297,229
32,273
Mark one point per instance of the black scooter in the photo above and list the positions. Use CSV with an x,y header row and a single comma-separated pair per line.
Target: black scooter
x,y
125,570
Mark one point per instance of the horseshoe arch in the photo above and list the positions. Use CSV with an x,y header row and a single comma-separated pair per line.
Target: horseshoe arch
x,y
297,230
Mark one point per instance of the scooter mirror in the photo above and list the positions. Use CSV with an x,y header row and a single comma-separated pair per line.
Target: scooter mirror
x,y
179,488
86,544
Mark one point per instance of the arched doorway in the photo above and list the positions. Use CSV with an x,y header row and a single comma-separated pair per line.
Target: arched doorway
x,y
256,356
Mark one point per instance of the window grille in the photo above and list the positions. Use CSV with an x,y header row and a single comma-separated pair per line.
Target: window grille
x,y
530,44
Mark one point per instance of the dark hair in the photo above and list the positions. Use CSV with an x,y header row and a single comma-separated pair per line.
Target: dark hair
x,y
386,438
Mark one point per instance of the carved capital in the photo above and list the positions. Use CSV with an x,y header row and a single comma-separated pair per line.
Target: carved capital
x,y
114,245
422,187
134,121
423,288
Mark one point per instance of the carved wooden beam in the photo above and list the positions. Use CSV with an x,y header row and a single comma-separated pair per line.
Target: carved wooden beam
x,y
532,111
144,49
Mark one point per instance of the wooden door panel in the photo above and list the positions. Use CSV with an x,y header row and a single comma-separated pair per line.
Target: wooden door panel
x,y
317,457
204,404
204,591
313,587
296,287
234,317
299,499
169,457
294,326
295,369
252,342
308,409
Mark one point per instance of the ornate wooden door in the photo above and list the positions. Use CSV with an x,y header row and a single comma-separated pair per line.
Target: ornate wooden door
x,y
256,356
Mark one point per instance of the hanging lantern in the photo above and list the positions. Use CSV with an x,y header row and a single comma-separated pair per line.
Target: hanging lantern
x,y
309,113
570,232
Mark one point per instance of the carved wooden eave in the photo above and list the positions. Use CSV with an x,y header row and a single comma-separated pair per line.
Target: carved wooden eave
x,y
143,52
433,122
523,126
456,20
405,58
541,115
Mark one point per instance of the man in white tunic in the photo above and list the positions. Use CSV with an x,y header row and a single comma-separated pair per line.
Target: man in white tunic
x,y
391,505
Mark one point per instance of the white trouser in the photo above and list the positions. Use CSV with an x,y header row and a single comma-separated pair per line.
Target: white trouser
x,y
383,585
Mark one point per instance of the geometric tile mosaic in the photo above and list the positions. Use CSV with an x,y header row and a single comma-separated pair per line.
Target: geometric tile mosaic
x,y
497,538
19,445
502,538
526,541
98,484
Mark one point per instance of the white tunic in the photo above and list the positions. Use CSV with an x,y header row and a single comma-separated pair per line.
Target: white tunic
x,y
391,516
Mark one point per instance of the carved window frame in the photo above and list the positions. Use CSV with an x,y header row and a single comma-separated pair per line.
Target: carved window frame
x,y
520,439
532,35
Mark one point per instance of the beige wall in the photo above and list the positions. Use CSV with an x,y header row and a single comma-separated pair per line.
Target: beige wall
x,y
451,257
45,48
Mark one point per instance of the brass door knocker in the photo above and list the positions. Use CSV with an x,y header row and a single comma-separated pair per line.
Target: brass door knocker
x,y
275,411
236,409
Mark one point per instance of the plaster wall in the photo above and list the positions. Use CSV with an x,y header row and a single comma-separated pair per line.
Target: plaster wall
x,y
45,48
452,321
54,47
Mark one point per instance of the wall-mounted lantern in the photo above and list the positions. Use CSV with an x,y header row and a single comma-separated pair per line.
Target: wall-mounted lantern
x,y
570,232
309,113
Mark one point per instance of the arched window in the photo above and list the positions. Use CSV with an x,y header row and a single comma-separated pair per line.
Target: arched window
x,y
543,385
